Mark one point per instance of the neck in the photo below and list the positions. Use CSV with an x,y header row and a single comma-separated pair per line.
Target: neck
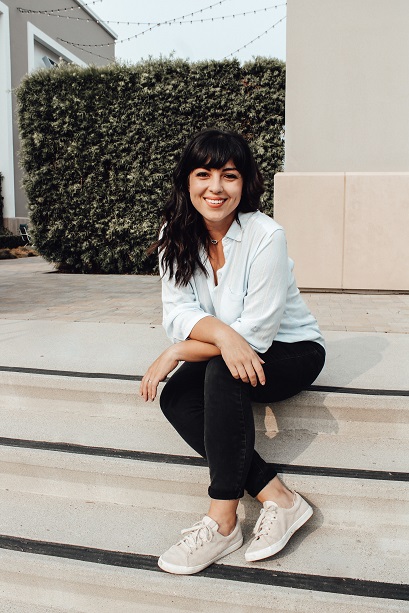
x,y
217,230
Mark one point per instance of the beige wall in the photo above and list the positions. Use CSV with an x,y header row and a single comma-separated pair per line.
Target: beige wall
x,y
344,196
346,230
347,86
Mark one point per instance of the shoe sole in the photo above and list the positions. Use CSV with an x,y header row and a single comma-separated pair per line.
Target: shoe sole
x,y
191,570
253,556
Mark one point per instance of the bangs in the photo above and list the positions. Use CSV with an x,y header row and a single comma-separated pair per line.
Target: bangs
x,y
215,152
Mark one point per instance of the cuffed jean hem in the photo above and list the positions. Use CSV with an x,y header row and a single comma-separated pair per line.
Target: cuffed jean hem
x,y
225,495
258,481
256,487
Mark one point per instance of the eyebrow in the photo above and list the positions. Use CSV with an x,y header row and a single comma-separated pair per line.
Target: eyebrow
x,y
222,168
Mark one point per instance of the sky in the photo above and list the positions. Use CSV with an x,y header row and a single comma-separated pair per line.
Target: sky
x,y
196,41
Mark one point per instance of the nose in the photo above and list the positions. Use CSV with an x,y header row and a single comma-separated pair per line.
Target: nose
x,y
215,184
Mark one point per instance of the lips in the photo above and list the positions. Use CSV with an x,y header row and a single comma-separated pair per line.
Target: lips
x,y
215,203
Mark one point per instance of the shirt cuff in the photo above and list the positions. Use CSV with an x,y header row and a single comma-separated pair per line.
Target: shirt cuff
x,y
183,324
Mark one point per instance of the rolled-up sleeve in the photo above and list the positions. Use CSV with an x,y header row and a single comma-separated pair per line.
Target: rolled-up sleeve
x,y
266,293
181,309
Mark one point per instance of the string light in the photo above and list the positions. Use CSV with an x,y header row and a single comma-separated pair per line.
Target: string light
x,y
49,11
172,21
254,39
181,20
155,25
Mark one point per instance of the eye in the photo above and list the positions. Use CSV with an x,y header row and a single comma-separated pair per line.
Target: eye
x,y
202,173
231,176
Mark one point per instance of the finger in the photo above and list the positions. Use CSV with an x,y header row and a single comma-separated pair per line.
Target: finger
x,y
233,371
259,372
154,389
243,373
252,376
151,389
144,390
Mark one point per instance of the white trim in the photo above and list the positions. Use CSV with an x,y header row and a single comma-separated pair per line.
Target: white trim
x,y
35,34
95,17
6,115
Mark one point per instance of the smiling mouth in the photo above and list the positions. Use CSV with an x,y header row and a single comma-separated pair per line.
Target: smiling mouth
x,y
215,202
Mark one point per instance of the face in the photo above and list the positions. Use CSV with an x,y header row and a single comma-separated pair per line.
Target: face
x,y
216,194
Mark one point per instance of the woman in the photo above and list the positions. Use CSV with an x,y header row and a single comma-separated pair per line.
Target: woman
x,y
238,322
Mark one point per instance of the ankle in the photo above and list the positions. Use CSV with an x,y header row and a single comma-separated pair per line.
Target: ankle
x,y
223,512
284,500
276,492
226,525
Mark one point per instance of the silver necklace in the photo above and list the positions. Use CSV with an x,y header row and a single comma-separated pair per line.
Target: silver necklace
x,y
214,242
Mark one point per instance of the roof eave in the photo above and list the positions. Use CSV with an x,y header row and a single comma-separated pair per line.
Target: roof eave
x,y
96,18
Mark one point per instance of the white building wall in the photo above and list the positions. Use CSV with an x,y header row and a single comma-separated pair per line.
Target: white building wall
x,y
6,115
39,44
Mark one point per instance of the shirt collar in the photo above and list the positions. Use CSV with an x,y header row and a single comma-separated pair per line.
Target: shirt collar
x,y
236,229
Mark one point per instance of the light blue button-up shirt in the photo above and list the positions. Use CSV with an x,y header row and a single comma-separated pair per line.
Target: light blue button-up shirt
x,y
255,294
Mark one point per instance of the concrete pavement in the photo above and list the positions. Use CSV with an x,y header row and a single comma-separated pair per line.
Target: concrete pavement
x,y
30,289
112,324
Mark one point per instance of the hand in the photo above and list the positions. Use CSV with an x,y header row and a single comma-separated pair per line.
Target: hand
x,y
242,361
157,371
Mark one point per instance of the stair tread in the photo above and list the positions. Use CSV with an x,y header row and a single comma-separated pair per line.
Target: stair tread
x,y
349,431
88,587
374,552
62,470
285,447
354,359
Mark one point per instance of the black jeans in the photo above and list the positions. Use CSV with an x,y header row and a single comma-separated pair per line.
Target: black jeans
x,y
212,412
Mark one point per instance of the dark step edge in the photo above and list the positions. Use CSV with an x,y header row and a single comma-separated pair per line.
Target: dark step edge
x,y
301,581
148,456
99,375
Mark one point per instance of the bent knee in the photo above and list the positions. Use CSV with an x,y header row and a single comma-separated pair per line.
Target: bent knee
x,y
165,401
217,368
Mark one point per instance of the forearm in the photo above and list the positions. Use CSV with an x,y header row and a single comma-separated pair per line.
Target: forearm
x,y
212,330
242,361
186,351
194,351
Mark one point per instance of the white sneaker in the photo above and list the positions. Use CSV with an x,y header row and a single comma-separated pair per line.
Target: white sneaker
x,y
201,545
275,527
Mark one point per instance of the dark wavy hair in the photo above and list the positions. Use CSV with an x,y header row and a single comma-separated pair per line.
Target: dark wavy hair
x,y
184,233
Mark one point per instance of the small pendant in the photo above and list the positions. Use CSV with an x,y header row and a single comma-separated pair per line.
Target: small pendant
x,y
213,241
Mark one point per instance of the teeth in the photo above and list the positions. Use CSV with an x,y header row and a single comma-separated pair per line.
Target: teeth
x,y
214,201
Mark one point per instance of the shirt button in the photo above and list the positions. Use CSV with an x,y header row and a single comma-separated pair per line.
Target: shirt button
x,y
254,329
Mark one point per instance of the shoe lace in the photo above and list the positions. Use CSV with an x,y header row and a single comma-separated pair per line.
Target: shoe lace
x,y
195,536
267,516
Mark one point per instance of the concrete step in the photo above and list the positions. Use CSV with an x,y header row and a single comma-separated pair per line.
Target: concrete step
x,y
354,359
32,583
314,428
371,544
138,507
177,487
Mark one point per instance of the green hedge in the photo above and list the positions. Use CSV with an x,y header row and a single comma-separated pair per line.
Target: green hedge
x,y
11,242
99,146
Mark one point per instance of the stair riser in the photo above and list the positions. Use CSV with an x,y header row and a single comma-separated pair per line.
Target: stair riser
x,y
30,404
21,416
181,488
